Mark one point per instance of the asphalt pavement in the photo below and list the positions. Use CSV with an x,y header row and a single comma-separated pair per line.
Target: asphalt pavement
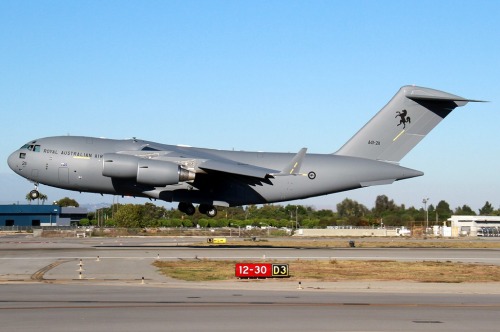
x,y
105,284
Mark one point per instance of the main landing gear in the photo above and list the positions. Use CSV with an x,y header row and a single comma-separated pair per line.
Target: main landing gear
x,y
189,209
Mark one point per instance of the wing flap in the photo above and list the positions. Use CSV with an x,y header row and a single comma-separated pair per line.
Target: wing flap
x,y
233,167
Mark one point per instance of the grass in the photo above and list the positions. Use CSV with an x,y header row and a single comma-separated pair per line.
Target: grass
x,y
340,270
204,270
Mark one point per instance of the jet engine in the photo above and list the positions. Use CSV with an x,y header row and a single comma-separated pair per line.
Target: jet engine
x,y
152,172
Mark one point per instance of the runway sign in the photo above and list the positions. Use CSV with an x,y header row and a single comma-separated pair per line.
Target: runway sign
x,y
217,240
261,270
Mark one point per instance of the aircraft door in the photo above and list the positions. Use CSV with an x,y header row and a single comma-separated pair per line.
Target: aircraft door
x,y
63,175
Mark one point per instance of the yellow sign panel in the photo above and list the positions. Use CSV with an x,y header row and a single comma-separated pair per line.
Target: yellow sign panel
x,y
217,240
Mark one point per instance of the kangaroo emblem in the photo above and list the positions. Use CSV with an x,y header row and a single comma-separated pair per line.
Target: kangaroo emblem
x,y
403,118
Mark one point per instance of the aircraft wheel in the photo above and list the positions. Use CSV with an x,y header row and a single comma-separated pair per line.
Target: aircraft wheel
x,y
203,208
190,209
211,212
187,208
34,194
181,207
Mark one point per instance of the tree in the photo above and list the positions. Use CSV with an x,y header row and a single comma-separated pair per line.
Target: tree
x,y
350,208
443,210
486,210
129,216
383,205
152,212
250,211
66,201
465,210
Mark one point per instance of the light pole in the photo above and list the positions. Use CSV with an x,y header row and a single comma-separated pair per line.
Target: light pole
x,y
296,217
425,200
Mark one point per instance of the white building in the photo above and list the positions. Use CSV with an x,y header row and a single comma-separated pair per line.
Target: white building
x,y
475,225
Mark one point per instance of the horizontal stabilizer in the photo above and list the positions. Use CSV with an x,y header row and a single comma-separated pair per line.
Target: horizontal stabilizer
x,y
417,95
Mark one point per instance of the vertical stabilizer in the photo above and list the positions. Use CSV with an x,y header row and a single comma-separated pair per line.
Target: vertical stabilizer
x,y
410,115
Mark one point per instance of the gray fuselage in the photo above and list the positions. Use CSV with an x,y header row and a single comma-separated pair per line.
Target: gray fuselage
x,y
77,163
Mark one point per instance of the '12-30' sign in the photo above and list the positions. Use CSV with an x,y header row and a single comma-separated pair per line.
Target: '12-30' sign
x,y
261,270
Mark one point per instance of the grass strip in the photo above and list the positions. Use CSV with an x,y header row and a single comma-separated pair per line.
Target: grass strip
x,y
341,270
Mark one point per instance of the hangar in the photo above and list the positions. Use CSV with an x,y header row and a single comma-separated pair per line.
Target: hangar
x,y
39,215
475,225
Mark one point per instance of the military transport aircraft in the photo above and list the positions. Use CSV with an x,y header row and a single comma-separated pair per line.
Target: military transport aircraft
x,y
213,178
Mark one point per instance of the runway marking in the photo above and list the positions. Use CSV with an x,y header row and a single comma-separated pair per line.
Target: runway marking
x,y
258,257
473,260
177,304
38,275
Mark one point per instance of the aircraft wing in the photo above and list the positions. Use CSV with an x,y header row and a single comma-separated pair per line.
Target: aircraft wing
x,y
233,167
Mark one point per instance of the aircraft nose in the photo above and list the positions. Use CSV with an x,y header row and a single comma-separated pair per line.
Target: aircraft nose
x,y
12,161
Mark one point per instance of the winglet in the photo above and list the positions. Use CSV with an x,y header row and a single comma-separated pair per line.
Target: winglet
x,y
293,168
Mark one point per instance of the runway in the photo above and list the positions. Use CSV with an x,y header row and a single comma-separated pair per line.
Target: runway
x,y
136,308
40,288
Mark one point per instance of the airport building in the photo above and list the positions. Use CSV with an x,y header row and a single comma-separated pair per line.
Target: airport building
x,y
475,225
40,215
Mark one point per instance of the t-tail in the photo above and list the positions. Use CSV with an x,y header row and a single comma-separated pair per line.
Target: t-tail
x,y
401,124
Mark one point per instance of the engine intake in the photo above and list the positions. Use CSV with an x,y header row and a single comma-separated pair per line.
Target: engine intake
x,y
144,171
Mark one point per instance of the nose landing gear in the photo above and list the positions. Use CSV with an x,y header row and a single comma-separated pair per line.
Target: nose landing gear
x,y
35,194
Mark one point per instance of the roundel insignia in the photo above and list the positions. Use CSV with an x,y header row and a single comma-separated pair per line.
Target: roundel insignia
x,y
311,175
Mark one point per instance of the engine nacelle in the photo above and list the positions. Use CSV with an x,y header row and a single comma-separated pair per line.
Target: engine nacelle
x,y
119,166
144,171
161,173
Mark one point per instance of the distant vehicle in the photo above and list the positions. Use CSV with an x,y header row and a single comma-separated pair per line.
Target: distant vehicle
x,y
403,231
211,178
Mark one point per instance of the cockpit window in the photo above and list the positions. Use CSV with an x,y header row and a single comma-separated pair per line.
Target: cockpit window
x,y
34,148
25,146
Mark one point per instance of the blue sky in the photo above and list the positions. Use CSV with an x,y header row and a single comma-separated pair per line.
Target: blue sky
x,y
255,75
